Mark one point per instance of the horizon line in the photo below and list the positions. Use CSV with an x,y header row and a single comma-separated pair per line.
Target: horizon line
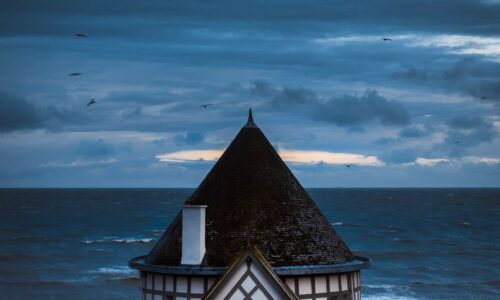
x,y
308,187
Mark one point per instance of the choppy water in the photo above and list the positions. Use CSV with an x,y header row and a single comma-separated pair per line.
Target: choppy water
x,y
424,243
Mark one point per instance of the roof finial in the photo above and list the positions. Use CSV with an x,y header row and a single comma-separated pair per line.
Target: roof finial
x,y
250,123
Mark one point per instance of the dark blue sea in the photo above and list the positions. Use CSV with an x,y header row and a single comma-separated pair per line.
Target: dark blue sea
x,y
75,243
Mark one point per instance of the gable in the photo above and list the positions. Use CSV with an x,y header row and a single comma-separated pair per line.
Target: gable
x,y
249,278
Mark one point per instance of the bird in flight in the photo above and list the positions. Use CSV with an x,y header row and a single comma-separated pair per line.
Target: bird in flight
x,y
80,35
75,74
484,97
92,101
457,142
206,105
348,165
385,39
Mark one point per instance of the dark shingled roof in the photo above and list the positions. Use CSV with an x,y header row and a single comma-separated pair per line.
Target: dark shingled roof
x,y
253,197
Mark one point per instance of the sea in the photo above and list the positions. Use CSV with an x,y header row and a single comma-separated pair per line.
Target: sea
x,y
423,243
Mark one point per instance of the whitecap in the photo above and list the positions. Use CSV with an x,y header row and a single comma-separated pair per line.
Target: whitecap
x,y
391,292
133,240
116,270
380,286
119,240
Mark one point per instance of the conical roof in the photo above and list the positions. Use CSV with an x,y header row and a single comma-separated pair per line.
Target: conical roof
x,y
252,197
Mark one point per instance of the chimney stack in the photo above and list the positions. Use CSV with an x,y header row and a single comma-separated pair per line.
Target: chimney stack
x,y
193,234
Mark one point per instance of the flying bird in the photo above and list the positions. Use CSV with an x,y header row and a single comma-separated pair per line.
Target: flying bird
x,y
385,39
81,35
348,166
92,101
484,97
75,74
206,105
457,142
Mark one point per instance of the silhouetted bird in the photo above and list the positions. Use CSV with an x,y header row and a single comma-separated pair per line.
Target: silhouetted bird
x,y
484,98
457,142
386,39
80,35
92,101
75,74
206,105
348,166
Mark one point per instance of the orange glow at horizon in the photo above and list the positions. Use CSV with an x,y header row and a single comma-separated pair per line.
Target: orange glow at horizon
x,y
290,156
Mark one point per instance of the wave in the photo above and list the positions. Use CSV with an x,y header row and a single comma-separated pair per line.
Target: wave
x,y
390,292
380,286
432,285
124,270
99,250
387,287
345,224
130,279
388,297
120,273
117,273
155,232
391,229
120,241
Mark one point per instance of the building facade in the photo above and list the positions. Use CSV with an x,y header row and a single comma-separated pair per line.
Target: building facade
x,y
250,231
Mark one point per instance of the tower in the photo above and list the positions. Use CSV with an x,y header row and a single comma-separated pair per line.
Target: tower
x,y
250,231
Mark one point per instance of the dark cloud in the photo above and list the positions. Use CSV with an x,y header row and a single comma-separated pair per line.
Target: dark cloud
x,y
58,117
385,141
400,156
470,77
190,138
345,111
465,16
95,148
412,74
456,72
466,132
412,132
359,110
487,91
294,96
282,96
261,88
17,114
467,122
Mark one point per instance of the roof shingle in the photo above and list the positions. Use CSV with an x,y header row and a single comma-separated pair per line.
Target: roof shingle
x,y
253,197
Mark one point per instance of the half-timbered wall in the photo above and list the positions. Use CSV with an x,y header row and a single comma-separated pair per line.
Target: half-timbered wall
x,y
339,286
156,286
326,287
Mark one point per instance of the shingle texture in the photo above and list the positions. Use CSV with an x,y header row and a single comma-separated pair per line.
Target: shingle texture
x,y
253,197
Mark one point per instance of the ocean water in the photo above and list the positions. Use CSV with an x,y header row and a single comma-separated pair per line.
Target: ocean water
x,y
424,243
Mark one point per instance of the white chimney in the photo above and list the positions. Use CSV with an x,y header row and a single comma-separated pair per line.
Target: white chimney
x,y
193,234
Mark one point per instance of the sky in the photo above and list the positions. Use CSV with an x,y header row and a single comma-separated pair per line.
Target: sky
x,y
419,110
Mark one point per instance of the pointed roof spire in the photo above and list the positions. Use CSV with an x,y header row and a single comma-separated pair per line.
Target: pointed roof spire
x,y
250,123
248,189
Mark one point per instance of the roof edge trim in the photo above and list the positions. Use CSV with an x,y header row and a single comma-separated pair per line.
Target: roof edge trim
x,y
357,264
